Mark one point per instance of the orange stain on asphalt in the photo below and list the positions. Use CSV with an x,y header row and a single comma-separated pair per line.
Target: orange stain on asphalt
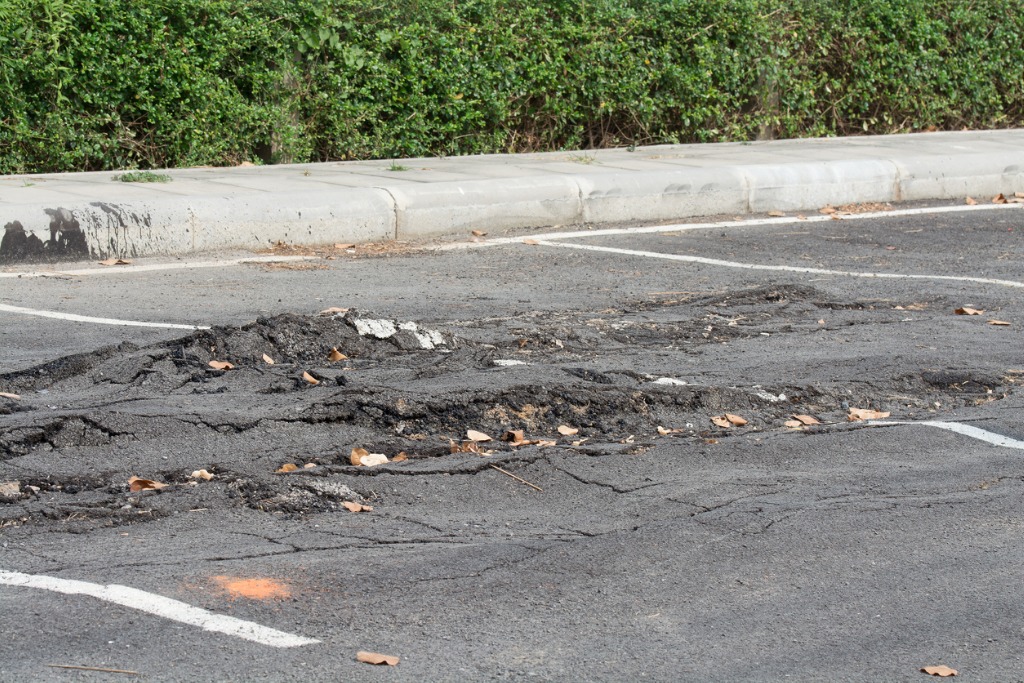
x,y
253,589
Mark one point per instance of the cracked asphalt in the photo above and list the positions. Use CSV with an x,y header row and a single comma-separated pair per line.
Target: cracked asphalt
x,y
840,550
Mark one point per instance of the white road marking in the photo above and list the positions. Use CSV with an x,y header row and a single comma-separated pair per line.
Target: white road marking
x,y
160,606
959,428
756,222
150,267
791,269
73,317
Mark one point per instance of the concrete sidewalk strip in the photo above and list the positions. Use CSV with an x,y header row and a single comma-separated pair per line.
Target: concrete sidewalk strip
x,y
76,216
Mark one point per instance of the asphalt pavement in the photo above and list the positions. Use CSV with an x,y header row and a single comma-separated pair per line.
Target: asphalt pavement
x,y
774,448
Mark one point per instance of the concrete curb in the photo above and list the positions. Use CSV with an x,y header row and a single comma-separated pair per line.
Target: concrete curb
x,y
88,215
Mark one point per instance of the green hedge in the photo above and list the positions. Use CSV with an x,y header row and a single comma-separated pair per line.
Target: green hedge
x,y
109,84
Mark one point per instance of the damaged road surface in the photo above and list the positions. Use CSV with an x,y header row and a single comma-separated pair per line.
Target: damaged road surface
x,y
600,465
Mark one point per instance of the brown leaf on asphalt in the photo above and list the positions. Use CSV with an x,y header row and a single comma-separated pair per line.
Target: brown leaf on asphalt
x,y
474,435
729,420
941,670
514,436
310,378
866,414
807,419
115,262
356,454
736,419
999,199
14,397
967,310
335,355
794,424
971,201
309,466
201,474
360,457
356,507
376,658
287,467
1002,323
268,360
333,310
776,214
478,233
665,431
566,430
136,484
721,421
344,246
220,365
531,242
402,456
828,210
546,443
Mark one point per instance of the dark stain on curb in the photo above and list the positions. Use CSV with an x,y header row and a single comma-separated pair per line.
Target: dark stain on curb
x,y
107,233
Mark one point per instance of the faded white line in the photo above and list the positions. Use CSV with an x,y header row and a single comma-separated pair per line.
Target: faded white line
x,y
755,222
74,317
160,606
150,267
789,269
960,428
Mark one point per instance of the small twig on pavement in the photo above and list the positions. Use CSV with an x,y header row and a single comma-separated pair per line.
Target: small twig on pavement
x,y
95,668
519,479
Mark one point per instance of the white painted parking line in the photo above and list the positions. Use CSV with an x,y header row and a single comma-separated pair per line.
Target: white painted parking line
x,y
160,606
717,225
959,428
150,267
73,317
790,269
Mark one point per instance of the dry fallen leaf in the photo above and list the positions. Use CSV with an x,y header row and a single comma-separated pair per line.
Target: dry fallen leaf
x,y
138,484
566,430
806,419
344,246
1003,323
828,209
794,424
335,355
665,431
776,214
545,443
376,658
115,262
373,459
309,466
514,436
287,467
356,507
310,378
972,201
401,457
201,474
865,414
531,242
332,310
220,365
4,394
729,420
967,310
999,199
268,360
356,454
10,489
942,670
474,435
479,233
360,457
